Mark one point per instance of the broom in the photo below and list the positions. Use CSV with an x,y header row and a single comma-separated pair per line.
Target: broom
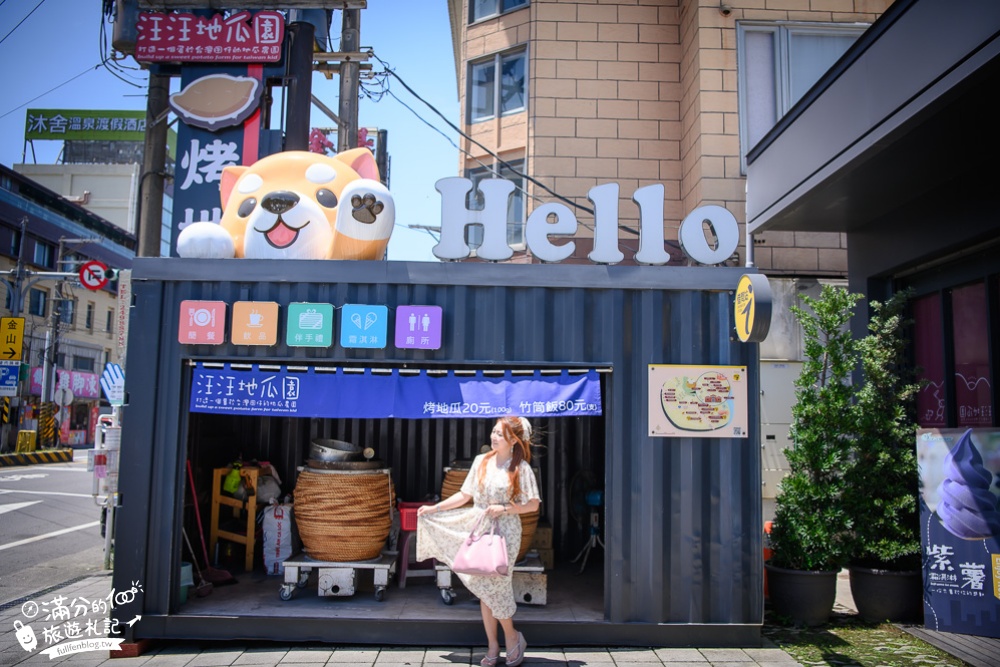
x,y
213,575
204,587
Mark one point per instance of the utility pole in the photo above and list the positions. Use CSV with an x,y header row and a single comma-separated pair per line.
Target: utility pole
x,y
16,298
350,74
299,75
50,365
154,157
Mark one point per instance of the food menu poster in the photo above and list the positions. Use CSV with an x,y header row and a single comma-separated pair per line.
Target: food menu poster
x,y
959,472
697,401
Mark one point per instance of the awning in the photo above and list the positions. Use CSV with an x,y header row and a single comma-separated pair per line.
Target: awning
x,y
349,393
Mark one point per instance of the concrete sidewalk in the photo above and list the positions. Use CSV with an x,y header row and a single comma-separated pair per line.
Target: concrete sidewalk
x,y
75,596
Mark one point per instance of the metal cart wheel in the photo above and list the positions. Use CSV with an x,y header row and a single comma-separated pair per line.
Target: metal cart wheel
x,y
448,596
303,580
285,593
379,593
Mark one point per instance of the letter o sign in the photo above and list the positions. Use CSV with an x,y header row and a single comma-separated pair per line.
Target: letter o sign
x,y
721,222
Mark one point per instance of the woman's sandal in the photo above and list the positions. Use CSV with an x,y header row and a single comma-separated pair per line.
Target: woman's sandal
x,y
522,646
490,661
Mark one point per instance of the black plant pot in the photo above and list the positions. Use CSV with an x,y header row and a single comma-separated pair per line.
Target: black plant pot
x,y
804,597
888,595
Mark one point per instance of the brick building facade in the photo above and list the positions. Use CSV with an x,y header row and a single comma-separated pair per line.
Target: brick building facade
x,y
572,94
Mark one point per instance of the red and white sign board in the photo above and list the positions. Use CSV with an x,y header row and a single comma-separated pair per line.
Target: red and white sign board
x,y
182,37
122,305
93,275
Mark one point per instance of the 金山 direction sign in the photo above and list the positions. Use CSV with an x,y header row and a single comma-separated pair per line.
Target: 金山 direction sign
x,y
12,330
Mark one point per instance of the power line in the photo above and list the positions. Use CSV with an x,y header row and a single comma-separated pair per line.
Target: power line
x,y
485,165
109,63
491,153
21,106
21,21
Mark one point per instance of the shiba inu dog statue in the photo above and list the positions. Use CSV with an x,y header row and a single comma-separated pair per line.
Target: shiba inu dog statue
x,y
298,205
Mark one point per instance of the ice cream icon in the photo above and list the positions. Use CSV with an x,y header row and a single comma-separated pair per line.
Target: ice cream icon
x,y
968,509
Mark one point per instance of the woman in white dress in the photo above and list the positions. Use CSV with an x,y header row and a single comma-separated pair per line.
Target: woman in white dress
x,y
502,485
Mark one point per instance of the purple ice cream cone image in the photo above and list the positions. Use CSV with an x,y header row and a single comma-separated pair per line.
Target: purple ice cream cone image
x,y
968,509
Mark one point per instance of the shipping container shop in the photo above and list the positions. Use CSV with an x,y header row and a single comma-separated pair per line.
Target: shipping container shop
x,y
345,393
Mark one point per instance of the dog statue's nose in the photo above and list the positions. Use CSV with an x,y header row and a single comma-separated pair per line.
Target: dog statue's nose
x,y
280,201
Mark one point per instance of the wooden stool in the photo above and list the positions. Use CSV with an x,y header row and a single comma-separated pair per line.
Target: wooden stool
x,y
249,505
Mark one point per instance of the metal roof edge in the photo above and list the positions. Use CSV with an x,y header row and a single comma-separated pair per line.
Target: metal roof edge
x,y
568,276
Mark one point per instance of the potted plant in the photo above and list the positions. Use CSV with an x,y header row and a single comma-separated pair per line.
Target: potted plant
x,y
881,492
811,530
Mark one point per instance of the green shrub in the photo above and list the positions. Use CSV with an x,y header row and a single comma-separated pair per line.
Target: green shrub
x,y
882,480
812,527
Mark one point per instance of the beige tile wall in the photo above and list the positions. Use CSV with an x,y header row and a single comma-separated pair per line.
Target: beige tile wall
x,y
638,92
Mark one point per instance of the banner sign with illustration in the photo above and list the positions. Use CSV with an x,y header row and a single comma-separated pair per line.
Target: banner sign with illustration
x,y
697,401
366,394
960,529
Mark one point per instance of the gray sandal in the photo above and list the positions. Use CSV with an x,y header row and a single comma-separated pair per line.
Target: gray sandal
x,y
522,647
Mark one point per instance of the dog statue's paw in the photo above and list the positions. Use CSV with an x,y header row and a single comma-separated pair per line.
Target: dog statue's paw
x,y
365,218
205,240
366,208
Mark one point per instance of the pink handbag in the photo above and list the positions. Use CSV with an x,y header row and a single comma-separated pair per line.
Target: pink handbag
x,y
483,555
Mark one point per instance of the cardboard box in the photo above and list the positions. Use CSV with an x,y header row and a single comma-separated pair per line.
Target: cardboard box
x,y
547,556
543,536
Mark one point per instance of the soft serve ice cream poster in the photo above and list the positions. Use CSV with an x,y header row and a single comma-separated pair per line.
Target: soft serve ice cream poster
x,y
960,529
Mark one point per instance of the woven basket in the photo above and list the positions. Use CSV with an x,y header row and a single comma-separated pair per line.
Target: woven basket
x,y
452,483
529,521
344,516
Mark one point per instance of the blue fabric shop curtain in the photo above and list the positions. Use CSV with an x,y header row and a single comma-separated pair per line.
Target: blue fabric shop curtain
x,y
339,393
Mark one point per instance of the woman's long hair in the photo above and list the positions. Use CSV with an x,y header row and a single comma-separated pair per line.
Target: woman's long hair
x,y
517,431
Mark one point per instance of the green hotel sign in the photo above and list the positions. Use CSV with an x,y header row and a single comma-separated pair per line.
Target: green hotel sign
x,y
85,125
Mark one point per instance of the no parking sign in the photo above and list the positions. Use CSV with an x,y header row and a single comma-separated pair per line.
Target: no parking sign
x,y
93,275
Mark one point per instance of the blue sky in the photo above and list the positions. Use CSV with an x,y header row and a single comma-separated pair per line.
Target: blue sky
x,y
61,39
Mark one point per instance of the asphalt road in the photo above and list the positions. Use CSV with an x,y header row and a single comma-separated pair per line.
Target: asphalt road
x,y
49,527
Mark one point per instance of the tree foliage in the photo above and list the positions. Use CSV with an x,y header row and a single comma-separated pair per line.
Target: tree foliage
x,y
812,527
882,479
852,492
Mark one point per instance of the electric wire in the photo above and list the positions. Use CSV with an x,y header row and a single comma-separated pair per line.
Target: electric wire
x,y
485,165
500,160
384,89
107,61
376,96
21,106
4,38
491,167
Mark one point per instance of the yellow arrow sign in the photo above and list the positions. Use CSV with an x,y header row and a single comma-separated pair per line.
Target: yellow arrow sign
x,y
12,341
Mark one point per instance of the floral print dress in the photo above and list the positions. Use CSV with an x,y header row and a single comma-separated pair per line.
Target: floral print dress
x,y
440,534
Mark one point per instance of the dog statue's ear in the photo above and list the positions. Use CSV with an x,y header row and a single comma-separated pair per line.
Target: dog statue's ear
x,y
360,160
230,175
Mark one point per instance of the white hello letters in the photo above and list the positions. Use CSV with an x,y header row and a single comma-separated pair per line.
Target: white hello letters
x,y
554,220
